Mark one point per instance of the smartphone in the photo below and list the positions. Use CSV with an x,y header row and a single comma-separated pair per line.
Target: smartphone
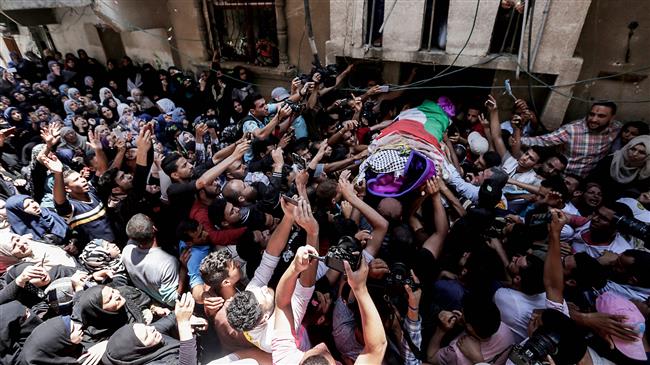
x,y
300,161
489,104
290,200
383,88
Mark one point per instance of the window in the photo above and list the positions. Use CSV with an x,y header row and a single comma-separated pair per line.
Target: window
x,y
507,31
434,34
245,30
374,22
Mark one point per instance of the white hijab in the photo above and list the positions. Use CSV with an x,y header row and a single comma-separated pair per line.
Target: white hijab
x,y
626,174
53,255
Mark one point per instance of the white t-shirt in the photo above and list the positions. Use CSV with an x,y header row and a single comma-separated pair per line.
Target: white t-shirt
x,y
618,244
509,165
517,308
262,335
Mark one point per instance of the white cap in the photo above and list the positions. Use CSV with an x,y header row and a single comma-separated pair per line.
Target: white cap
x,y
640,212
477,143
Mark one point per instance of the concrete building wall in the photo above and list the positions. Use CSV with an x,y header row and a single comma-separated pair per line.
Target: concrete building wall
x,y
148,46
188,43
76,29
299,51
603,44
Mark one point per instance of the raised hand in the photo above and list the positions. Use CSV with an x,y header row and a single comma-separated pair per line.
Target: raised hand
x,y
94,141
305,218
357,279
51,162
184,308
491,103
302,260
345,186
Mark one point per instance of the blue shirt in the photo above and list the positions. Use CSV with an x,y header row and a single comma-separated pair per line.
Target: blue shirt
x,y
197,254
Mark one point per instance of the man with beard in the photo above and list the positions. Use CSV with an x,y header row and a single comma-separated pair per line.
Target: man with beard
x,y
585,141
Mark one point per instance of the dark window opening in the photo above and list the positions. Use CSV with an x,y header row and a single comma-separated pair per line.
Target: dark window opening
x,y
245,30
434,34
374,22
507,31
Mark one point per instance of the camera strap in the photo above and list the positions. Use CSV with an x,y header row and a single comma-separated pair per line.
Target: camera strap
x,y
417,352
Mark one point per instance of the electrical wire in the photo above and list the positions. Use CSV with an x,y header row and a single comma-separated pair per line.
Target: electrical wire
x,y
413,86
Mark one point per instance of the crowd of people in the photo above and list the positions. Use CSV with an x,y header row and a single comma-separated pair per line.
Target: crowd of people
x,y
150,216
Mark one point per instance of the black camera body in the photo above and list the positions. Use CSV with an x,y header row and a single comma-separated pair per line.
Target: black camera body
x,y
535,350
399,276
348,249
296,108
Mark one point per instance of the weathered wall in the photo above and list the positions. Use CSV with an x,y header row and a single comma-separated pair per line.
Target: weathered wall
x,y
187,43
148,46
603,44
298,48
76,29
129,15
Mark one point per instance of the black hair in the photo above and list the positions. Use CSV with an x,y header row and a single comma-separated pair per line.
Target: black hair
x,y
639,268
185,227
106,183
492,159
482,314
249,102
244,312
556,183
607,104
214,268
216,211
532,276
643,127
169,163
588,273
572,344
315,360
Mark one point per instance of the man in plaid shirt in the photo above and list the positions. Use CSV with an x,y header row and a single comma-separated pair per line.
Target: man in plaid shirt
x,y
584,142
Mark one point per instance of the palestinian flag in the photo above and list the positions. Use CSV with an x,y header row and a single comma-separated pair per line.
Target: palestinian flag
x,y
427,122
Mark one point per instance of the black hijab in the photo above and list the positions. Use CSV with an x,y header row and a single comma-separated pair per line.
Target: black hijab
x,y
99,324
50,343
17,323
125,348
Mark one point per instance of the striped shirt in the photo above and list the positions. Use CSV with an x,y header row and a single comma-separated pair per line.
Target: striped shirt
x,y
88,217
582,147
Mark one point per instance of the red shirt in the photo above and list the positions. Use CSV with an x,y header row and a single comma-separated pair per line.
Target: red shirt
x,y
221,237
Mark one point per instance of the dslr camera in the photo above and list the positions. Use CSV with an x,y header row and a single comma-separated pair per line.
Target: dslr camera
x,y
296,108
535,350
348,249
633,227
399,276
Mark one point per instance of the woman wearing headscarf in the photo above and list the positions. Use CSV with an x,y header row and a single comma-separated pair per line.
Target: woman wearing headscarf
x,y
627,168
14,117
136,344
108,115
100,255
103,310
74,141
18,323
71,108
15,249
55,341
105,93
27,282
26,217
74,94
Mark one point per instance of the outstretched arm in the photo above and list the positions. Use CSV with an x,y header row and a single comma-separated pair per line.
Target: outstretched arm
x,y
378,223
435,241
212,174
553,271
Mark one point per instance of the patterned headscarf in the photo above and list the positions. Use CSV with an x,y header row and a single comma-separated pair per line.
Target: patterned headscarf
x,y
95,257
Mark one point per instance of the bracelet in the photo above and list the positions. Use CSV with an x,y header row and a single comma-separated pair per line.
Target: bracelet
x,y
414,309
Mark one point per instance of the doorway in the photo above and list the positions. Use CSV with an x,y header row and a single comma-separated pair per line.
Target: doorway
x,y
111,42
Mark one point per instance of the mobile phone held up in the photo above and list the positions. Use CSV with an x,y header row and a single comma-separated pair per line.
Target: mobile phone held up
x,y
290,200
